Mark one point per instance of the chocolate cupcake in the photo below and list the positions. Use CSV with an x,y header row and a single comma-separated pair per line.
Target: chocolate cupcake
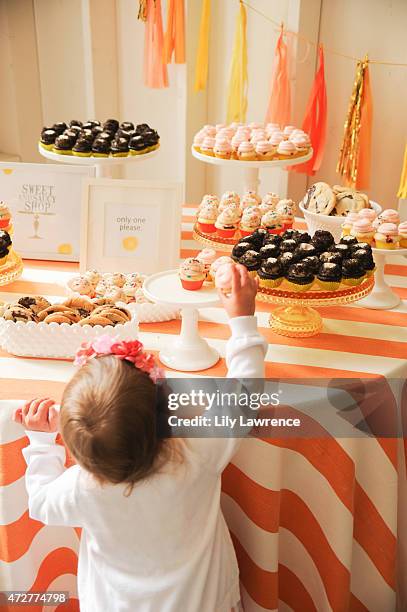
x,y
366,259
5,239
361,245
270,273
304,237
288,245
101,147
119,147
125,134
142,127
239,249
329,257
303,250
353,272
76,129
313,263
59,127
82,147
299,277
47,139
273,239
111,125
343,249
348,240
258,237
286,260
269,250
151,139
127,125
75,122
251,260
137,145
290,234
63,144
73,134
96,131
329,276
90,124
322,240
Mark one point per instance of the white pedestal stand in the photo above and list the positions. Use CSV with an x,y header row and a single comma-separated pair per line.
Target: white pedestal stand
x,y
103,165
251,168
190,352
382,296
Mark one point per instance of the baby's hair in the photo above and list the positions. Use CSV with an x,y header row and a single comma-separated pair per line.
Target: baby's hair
x,y
114,421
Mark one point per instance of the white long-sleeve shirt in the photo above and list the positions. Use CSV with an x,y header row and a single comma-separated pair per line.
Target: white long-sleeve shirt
x,y
166,547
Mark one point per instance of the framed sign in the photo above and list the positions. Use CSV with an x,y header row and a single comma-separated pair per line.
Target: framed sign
x,y
45,201
130,226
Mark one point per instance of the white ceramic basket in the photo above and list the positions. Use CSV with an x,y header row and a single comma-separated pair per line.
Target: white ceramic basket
x,y
333,224
152,313
54,340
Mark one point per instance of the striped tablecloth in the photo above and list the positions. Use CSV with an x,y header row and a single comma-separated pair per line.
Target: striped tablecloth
x,y
316,523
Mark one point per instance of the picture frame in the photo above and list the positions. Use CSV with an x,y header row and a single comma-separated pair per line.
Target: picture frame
x,y
45,203
130,225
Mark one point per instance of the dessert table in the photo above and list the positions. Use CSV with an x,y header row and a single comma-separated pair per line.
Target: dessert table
x,y
317,523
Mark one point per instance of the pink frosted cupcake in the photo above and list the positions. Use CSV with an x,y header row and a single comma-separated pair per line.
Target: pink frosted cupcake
x,y
286,150
271,221
297,132
367,213
223,278
264,150
285,210
222,149
403,234
250,220
272,127
207,146
387,216
236,142
221,261
270,200
302,144
275,139
198,140
209,130
253,194
288,130
207,257
209,198
227,222
246,152
207,216
256,126
363,230
248,201
220,126
348,223
387,236
192,274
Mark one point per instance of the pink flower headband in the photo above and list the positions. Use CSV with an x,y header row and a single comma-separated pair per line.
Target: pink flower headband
x,y
126,350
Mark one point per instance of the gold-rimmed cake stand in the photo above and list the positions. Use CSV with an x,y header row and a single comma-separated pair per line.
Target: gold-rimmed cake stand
x,y
12,269
296,316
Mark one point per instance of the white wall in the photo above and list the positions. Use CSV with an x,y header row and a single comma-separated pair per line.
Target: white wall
x,y
378,27
8,128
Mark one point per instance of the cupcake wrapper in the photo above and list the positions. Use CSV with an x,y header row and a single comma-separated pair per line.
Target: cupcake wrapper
x,y
191,285
287,226
47,147
122,154
223,233
4,223
223,156
245,232
369,273
62,151
345,232
270,283
207,228
328,285
352,282
298,288
81,154
275,231
389,246
3,260
100,154
403,243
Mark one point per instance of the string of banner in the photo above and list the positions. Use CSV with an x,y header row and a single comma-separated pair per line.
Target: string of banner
x,y
355,153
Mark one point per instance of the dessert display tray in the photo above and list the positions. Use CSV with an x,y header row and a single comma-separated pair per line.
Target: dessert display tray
x,y
383,297
12,269
53,340
296,316
217,243
152,313
92,161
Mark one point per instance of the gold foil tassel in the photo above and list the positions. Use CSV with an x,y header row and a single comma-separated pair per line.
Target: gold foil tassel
x,y
354,158
142,10
402,192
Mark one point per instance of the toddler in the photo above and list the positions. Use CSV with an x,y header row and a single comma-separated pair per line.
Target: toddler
x,y
154,538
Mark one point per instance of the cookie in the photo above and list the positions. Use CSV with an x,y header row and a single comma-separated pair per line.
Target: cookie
x,y
58,318
114,315
54,309
35,303
101,301
80,284
96,320
15,313
349,200
81,304
319,199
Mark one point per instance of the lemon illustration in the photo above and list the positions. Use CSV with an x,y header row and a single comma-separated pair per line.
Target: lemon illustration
x,y
7,170
130,243
65,249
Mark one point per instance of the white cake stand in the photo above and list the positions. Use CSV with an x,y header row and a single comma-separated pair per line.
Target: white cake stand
x,y
190,352
382,296
103,165
251,168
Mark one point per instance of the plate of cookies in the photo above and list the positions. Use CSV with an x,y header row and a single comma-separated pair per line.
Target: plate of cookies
x,y
124,289
33,327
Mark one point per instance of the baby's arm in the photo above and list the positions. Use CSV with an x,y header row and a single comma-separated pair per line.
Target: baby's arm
x,y
52,490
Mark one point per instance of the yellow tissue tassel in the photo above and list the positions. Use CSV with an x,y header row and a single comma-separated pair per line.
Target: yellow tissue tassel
x,y
402,192
237,91
201,67
354,158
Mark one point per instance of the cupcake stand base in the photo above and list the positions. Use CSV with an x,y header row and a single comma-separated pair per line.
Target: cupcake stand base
x,y
103,165
12,269
296,315
189,352
251,168
382,296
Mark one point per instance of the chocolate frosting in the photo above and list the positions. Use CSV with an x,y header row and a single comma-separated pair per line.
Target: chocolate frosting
x,y
330,271
251,260
352,268
288,245
269,250
300,273
48,136
270,268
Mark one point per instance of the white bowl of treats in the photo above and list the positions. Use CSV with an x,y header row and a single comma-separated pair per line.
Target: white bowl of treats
x,y
325,207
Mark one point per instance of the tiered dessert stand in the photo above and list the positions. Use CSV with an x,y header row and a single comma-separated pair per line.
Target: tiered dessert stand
x,y
12,269
383,297
251,168
189,352
103,165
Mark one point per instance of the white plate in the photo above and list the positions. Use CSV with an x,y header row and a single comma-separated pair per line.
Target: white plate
x,y
236,163
166,288
92,161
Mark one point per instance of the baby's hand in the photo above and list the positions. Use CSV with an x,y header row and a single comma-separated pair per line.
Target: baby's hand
x,y
240,302
38,415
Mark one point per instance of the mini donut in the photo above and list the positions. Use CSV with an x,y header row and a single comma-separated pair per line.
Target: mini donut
x,y
57,318
96,320
55,308
35,303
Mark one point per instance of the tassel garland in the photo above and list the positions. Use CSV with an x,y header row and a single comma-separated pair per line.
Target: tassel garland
x,y
279,107
354,158
201,68
155,70
174,41
402,192
237,90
